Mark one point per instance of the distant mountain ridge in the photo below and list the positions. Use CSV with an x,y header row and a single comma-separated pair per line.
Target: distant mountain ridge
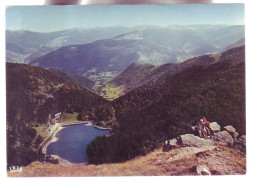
x,y
238,43
36,44
154,45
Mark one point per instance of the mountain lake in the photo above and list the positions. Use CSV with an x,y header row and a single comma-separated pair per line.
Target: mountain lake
x,y
72,142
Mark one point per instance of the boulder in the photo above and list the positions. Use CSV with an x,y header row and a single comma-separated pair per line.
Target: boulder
x,y
230,129
235,136
189,140
173,143
241,145
214,127
224,138
202,170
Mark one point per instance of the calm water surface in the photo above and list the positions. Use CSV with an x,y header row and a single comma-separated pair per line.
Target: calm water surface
x,y
72,142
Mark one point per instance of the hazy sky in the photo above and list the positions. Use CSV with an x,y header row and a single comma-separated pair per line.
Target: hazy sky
x,y
54,18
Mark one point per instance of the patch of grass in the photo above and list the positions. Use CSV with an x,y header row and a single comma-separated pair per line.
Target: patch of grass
x,y
230,162
156,163
235,159
68,118
42,130
111,92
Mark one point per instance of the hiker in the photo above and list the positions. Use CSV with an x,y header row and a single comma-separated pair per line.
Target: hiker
x,y
201,129
207,123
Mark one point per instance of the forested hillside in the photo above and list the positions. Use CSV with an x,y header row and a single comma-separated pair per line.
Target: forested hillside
x,y
75,79
146,74
32,95
133,76
151,114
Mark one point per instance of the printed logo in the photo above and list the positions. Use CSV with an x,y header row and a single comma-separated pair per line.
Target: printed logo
x,y
15,169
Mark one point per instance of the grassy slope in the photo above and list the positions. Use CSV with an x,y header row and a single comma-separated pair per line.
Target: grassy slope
x,y
175,162
69,118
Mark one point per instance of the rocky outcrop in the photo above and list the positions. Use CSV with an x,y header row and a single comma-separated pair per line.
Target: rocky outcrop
x,y
228,137
202,170
224,138
230,129
235,136
241,145
214,127
174,143
189,140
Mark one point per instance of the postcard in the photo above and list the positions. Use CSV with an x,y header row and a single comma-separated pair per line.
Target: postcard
x,y
125,90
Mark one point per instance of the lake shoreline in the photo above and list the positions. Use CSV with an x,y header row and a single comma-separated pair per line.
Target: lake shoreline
x,y
52,138
88,123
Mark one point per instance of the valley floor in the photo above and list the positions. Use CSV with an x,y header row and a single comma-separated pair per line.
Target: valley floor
x,y
220,160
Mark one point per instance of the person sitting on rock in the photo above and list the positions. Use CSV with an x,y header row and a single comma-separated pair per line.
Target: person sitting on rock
x,y
207,123
200,126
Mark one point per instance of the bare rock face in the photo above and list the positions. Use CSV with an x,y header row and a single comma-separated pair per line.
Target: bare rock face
x,y
224,138
202,170
189,140
241,145
230,129
173,142
214,127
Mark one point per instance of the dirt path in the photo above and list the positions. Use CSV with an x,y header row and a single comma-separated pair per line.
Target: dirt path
x,y
57,128
189,151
